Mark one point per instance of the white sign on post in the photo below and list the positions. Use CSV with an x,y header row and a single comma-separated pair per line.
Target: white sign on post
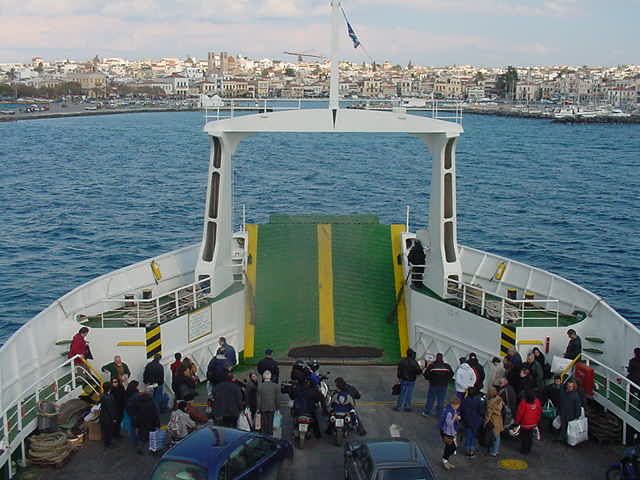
x,y
200,324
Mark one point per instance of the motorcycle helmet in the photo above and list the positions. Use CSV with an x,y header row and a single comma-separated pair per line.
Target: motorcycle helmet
x,y
314,365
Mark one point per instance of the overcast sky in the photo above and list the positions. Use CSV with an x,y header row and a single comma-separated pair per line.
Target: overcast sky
x,y
428,32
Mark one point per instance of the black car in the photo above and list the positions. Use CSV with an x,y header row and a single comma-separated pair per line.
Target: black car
x,y
388,459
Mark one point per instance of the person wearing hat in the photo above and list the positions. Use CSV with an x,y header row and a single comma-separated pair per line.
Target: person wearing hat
x,y
268,363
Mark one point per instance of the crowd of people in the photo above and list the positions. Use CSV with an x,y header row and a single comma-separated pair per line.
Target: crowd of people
x,y
507,401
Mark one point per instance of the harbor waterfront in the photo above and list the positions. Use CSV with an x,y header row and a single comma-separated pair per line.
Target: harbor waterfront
x,y
83,196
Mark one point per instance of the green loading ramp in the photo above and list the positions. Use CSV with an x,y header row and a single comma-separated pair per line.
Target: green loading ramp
x,y
286,292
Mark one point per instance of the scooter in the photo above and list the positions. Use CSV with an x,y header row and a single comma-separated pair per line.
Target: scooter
x,y
343,424
302,429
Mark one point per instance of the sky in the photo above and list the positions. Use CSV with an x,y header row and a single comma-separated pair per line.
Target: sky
x,y
427,32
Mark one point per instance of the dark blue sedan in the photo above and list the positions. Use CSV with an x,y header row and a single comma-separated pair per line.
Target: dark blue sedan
x,y
215,453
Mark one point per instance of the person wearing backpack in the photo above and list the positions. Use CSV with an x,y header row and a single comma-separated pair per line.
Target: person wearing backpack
x,y
439,374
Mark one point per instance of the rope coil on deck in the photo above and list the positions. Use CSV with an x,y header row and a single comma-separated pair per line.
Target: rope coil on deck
x,y
49,448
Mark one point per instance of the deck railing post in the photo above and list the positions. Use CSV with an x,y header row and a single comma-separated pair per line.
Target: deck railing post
x,y
464,296
627,392
158,309
102,319
5,428
177,302
73,375
482,302
406,228
502,312
138,312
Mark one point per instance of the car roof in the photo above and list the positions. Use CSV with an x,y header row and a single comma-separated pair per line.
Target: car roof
x,y
206,446
397,450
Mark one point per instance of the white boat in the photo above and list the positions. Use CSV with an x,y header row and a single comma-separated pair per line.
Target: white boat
x,y
469,301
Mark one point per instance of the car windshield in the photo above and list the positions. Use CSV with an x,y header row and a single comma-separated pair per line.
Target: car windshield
x,y
170,470
413,473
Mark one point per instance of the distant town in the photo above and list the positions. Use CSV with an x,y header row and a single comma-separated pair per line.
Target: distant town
x,y
307,76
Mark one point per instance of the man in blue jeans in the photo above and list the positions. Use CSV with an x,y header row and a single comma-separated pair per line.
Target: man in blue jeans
x,y
439,374
408,370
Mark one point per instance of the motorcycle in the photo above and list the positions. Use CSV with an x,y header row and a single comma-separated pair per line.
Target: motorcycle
x,y
343,424
302,429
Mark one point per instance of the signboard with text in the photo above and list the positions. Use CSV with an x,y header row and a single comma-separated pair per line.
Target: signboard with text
x,y
200,324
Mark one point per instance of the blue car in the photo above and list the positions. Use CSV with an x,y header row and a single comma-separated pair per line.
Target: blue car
x,y
215,453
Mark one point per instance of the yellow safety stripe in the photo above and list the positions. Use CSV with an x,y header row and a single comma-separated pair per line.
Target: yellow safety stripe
x,y
325,285
249,327
396,249
130,344
153,332
508,332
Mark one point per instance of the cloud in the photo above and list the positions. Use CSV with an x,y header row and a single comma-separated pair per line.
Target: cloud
x,y
485,7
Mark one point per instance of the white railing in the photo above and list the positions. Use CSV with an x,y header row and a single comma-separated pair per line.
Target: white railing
x,y
450,110
19,418
506,311
615,392
137,312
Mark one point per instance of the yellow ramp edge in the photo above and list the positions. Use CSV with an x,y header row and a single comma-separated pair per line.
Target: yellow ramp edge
x,y
398,274
249,300
325,285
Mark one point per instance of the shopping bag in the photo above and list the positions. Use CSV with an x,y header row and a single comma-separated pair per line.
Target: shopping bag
x,y
244,420
395,390
578,430
557,422
158,440
558,364
257,422
277,424
549,410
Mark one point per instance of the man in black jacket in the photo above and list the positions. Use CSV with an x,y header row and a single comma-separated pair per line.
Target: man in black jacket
x,y
227,402
439,374
408,370
570,406
268,363
574,347
146,418
473,362
415,257
153,375
109,422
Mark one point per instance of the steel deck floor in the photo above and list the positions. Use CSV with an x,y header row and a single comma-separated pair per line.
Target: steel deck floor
x,y
322,460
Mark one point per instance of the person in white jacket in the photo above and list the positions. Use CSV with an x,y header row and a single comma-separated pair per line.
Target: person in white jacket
x,y
465,378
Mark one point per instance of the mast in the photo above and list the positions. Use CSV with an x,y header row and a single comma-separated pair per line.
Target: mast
x,y
334,101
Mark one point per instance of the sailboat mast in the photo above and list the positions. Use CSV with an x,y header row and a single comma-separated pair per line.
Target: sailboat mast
x,y
334,101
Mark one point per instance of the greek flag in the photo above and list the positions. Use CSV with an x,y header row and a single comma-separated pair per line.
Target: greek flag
x,y
352,35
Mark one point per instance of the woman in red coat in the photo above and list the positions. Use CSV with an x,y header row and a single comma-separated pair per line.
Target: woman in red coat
x,y
528,416
79,345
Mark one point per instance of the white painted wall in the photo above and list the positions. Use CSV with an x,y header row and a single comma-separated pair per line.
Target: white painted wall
x,y
435,326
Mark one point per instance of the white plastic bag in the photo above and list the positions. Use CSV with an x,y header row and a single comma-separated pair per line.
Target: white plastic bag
x,y
277,424
244,420
257,422
578,430
158,440
557,422
558,364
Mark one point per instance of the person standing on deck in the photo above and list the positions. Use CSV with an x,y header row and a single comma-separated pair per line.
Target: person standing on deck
x,y
472,414
227,402
79,346
496,372
268,402
175,365
228,351
147,418
439,374
574,347
478,369
408,370
493,419
153,376
117,369
417,260
633,373
448,426
465,378
528,416
268,363
570,406
109,422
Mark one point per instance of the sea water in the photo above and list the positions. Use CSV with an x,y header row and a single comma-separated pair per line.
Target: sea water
x,y
83,196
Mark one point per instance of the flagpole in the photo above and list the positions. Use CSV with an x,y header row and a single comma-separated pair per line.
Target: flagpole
x,y
334,101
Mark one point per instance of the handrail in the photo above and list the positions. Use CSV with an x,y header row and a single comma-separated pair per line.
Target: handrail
x,y
565,371
94,372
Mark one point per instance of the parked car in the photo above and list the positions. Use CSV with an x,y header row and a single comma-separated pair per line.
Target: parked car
x,y
388,459
215,453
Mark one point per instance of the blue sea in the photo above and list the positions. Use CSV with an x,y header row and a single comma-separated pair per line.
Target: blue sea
x,y
83,196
